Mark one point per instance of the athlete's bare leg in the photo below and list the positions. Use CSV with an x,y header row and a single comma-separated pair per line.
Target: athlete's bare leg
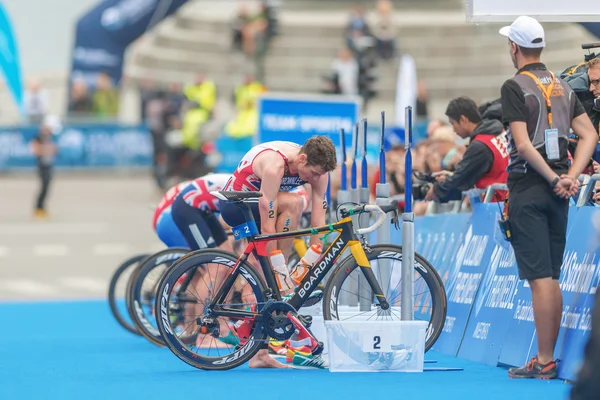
x,y
290,207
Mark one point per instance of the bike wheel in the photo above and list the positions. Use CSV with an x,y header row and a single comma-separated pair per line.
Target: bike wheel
x,y
127,267
211,332
341,301
142,291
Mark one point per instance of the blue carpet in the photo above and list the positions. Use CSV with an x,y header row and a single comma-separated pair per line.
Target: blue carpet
x,y
77,351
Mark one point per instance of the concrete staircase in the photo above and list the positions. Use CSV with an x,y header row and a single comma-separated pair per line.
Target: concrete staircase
x,y
453,58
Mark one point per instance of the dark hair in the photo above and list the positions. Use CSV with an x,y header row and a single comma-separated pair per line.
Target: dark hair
x,y
531,53
463,106
320,151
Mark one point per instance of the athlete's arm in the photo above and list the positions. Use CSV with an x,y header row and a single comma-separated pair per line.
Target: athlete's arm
x,y
270,169
319,206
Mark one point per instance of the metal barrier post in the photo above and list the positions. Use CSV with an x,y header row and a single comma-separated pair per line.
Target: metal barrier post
x,y
355,198
364,290
343,196
408,232
382,191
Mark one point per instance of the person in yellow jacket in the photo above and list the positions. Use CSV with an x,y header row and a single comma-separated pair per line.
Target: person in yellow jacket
x,y
249,91
203,92
203,95
245,123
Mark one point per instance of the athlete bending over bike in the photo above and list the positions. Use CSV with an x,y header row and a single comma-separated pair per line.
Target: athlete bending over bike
x,y
274,168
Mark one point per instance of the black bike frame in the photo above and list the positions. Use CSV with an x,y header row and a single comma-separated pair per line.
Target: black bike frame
x,y
257,246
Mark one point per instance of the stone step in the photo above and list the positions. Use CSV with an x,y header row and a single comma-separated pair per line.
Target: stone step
x,y
300,66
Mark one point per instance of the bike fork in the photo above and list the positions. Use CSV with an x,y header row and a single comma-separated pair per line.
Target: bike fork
x,y
358,252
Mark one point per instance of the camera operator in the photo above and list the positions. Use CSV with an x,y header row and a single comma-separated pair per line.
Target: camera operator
x,y
485,160
585,82
540,110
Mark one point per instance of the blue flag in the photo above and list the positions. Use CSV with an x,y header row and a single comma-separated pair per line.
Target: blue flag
x,y
9,58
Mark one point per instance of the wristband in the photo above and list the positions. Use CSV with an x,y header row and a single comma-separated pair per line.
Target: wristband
x,y
554,182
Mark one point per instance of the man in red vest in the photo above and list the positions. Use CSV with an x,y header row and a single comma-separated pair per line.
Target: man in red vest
x,y
486,159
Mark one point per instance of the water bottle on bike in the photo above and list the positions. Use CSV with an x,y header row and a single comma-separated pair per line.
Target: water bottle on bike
x,y
310,258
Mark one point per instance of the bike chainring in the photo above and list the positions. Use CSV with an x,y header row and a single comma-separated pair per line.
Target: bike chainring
x,y
275,322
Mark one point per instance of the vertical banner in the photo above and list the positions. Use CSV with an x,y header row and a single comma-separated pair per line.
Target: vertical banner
x,y
580,278
495,301
103,34
9,58
437,239
465,276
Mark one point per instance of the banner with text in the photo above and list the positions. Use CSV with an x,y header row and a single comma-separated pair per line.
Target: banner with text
x,y
106,145
297,117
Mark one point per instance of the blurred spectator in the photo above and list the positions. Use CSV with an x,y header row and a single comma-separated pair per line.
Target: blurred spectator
x,y
246,120
344,74
422,112
433,125
394,166
147,92
175,98
420,157
106,97
257,35
356,29
203,93
239,23
444,154
156,120
81,100
44,149
35,102
248,92
384,30
202,96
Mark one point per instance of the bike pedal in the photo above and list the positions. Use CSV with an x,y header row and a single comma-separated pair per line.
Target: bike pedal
x,y
318,349
306,320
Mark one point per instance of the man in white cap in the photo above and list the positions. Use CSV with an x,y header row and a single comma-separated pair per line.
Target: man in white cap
x,y
540,109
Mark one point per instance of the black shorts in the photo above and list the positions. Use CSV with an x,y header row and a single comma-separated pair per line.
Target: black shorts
x,y
538,222
200,228
232,213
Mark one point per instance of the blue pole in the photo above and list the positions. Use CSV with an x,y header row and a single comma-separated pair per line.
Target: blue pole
x,y
408,161
408,231
382,174
353,172
364,179
344,183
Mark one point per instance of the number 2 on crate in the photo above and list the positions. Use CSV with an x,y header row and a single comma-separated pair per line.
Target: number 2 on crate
x,y
377,341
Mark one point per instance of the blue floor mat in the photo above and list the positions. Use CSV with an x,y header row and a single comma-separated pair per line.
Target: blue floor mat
x,y
77,351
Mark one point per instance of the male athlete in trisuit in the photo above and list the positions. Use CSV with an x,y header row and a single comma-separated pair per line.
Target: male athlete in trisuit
x,y
274,168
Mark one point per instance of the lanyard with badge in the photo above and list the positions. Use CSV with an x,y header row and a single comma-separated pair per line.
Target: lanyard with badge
x,y
551,135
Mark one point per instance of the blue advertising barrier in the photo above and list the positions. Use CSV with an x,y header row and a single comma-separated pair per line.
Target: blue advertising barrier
x,y
495,301
522,343
490,313
297,117
105,145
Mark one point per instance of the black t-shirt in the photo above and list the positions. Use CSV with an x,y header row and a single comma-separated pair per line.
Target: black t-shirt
x,y
514,107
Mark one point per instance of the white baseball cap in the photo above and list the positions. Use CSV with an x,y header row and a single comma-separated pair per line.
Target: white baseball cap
x,y
525,32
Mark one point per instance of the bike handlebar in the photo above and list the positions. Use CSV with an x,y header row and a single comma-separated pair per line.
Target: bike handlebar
x,y
381,210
